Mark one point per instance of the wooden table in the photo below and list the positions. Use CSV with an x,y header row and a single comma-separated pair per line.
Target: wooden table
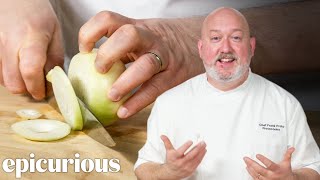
x,y
129,135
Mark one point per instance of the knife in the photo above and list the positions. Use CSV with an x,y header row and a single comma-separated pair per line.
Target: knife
x,y
93,127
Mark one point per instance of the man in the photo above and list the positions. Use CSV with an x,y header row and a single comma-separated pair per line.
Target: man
x,y
247,127
31,43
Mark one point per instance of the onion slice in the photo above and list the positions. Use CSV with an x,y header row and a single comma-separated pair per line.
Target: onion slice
x,y
66,97
29,113
41,129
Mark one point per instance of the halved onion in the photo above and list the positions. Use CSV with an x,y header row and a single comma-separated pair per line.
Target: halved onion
x,y
92,87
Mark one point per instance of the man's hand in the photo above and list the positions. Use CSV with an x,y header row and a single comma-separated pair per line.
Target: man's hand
x,y
129,40
179,165
30,45
281,171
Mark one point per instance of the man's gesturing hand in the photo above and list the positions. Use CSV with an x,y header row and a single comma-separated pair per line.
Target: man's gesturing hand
x,y
179,165
129,40
30,45
281,171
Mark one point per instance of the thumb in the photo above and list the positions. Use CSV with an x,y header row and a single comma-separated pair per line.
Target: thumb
x,y
167,143
287,156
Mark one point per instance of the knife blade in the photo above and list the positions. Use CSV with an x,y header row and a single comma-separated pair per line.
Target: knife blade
x,y
93,127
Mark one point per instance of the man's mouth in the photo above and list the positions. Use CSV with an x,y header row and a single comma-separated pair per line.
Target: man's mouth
x,y
226,60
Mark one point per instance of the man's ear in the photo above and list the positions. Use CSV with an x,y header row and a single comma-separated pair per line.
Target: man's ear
x,y
200,48
252,45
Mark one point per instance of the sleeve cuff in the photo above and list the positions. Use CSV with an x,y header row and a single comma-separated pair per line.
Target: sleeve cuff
x,y
139,162
315,167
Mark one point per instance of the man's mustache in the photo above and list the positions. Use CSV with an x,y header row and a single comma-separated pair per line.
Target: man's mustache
x,y
226,56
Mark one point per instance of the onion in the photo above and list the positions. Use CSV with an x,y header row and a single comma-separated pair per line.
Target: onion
x,y
41,129
93,87
29,113
66,98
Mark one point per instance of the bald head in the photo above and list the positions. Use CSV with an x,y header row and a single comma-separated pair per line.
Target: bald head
x,y
226,48
223,16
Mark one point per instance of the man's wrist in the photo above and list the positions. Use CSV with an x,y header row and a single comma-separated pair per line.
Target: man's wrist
x,y
165,173
305,173
295,176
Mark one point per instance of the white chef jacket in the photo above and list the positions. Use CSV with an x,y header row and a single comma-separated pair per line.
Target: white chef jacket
x,y
256,117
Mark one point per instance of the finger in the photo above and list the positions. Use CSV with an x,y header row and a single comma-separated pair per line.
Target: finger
x,y
267,162
55,57
142,70
201,155
167,143
1,77
33,56
195,151
102,24
11,73
148,92
1,49
253,173
126,39
197,160
288,154
184,147
256,166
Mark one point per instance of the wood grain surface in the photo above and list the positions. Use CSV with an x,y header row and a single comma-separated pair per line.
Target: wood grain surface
x,y
129,135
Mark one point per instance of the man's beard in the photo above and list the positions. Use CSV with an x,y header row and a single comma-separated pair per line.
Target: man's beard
x,y
226,77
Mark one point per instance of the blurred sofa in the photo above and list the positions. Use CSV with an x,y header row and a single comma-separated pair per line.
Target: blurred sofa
x,y
288,47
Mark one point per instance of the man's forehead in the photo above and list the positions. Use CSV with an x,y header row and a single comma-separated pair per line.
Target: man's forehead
x,y
226,18
225,12
231,30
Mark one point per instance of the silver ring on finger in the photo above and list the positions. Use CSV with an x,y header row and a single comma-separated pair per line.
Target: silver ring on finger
x,y
159,60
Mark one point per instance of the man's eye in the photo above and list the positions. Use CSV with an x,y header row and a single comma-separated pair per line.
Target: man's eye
x,y
236,38
215,38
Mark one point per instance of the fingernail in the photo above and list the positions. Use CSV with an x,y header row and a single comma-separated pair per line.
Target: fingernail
x,y
114,95
38,97
162,137
202,143
81,48
122,112
100,68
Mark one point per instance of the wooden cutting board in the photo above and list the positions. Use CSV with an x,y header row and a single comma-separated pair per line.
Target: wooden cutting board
x,y
130,135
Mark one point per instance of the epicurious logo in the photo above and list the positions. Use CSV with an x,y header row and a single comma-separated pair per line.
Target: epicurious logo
x,y
60,165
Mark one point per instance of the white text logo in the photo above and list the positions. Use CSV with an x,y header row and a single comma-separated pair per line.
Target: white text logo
x,y
60,165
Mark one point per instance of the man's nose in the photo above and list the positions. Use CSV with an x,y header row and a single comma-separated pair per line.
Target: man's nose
x,y
225,47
